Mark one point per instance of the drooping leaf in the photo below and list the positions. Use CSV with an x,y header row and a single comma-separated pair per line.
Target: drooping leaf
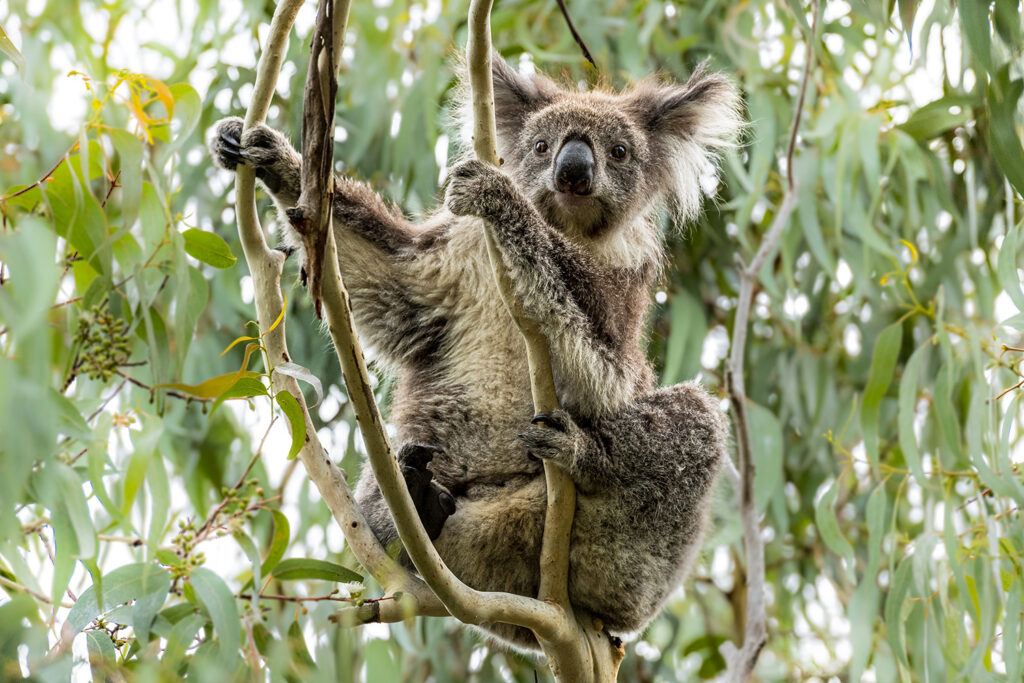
x,y
214,595
293,411
124,584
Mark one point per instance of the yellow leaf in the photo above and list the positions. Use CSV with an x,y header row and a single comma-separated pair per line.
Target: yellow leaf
x,y
913,250
280,316
163,93
237,341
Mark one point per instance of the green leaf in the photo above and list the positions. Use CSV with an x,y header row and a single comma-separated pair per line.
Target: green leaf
x,y
293,411
102,655
245,387
684,345
883,365
252,552
828,525
380,662
908,411
935,118
124,584
894,608
303,568
169,558
129,147
300,653
766,444
977,30
208,247
1004,141
1007,268
1012,650
211,388
278,543
213,594
181,637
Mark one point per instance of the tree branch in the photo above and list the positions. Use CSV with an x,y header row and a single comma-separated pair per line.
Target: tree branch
x,y
265,265
578,650
740,662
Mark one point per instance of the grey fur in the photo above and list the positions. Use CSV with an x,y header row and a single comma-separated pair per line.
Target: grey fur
x,y
644,460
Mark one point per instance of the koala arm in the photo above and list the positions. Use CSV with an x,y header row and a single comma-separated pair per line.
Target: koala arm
x,y
668,440
378,248
557,285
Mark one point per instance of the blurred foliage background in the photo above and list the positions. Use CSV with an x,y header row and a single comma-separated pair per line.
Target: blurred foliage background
x,y
884,364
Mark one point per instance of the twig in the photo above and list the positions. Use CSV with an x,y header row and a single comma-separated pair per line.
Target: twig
x,y
7,583
42,180
740,662
575,35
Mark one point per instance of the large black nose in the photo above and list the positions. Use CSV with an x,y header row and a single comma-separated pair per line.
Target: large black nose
x,y
574,168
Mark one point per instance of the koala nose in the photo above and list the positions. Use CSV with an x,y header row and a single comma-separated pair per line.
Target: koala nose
x,y
574,168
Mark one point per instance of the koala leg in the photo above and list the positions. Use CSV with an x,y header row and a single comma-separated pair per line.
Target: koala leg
x,y
645,476
433,502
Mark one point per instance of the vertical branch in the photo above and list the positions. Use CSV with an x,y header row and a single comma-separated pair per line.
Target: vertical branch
x,y
561,494
578,650
741,661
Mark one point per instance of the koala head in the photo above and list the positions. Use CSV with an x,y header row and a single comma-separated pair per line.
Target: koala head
x,y
594,161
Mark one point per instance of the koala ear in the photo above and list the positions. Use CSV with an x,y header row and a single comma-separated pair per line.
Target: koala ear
x,y
516,97
704,111
687,125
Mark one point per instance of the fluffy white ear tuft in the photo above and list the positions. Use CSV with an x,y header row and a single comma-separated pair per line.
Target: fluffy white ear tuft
x,y
689,124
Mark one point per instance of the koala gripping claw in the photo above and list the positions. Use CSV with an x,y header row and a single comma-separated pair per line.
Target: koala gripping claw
x,y
433,503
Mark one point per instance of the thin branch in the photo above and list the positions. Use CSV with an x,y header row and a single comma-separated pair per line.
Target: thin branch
x,y
17,587
740,662
48,176
575,34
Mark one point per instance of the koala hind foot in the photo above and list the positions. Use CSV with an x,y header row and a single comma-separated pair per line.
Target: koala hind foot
x,y
434,504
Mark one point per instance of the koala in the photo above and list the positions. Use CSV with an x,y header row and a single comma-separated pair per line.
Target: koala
x,y
576,212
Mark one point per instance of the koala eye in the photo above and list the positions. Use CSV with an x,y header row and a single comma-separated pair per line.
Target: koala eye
x,y
541,147
618,152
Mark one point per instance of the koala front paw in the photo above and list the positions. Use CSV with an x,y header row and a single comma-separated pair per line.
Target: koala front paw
x,y
226,143
552,436
263,148
478,189
434,504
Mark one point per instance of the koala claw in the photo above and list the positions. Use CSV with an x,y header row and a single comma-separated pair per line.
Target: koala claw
x,y
433,503
230,149
551,437
554,420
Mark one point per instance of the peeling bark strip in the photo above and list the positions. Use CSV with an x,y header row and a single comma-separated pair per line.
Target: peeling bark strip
x,y
311,215
740,662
